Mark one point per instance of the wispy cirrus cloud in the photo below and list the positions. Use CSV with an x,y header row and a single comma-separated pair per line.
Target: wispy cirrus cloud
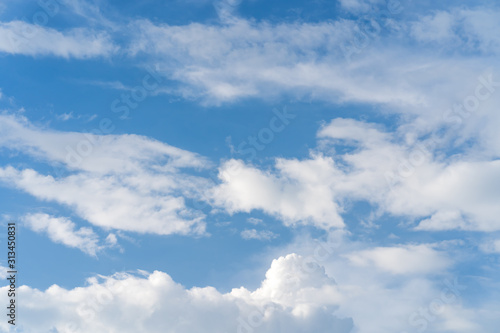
x,y
18,37
241,59
62,230
466,29
258,234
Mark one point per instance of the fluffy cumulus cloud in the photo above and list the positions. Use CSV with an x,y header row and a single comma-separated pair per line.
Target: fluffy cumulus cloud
x,y
122,182
299,192
403,177
412,287
289,300
416,179
246,59
297,295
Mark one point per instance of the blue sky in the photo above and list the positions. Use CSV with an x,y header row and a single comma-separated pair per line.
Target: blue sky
x,y
179,166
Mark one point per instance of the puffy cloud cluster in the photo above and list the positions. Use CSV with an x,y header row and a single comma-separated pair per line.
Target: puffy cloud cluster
x,y
289,300
297,295
409,179
300,193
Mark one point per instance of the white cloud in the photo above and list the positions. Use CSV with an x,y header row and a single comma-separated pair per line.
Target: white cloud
x,y
409,259
297,295
242,58
3,272
490,246
258,234
299,194
98,151
444,220
124,182
467,187
65,116
254,221
294,282
90,11
458,320
359,5
129,182
62,230
220,63
410,290
109,203
111,240
290,301
402,176
478,25
17,37
435,28
469,29
245,59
